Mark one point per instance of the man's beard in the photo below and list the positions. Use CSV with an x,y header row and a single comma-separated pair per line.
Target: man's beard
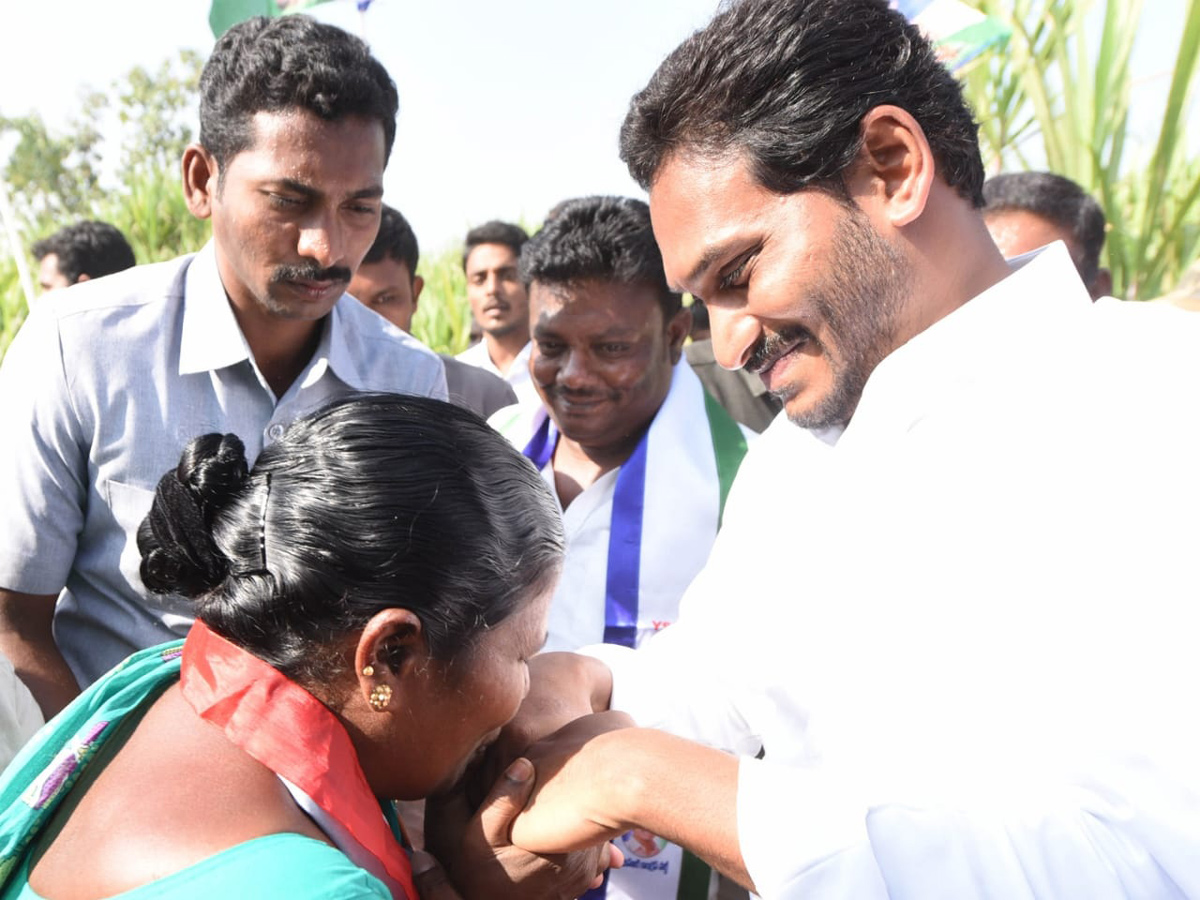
x,y
859,300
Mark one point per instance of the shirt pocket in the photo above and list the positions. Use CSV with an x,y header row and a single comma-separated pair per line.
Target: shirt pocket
x,y
129,506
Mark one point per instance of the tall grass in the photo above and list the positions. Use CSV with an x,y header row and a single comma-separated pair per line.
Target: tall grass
x,y
1058,98
150,211
443,317
12,302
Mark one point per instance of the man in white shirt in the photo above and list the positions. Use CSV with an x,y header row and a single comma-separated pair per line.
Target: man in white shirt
x,y
499,305
970,662
638,455
105,386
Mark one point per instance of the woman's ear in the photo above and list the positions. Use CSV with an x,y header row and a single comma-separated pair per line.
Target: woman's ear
x,y
390,645
895,168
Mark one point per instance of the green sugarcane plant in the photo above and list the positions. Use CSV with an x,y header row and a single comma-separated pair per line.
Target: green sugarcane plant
x,y
1047,100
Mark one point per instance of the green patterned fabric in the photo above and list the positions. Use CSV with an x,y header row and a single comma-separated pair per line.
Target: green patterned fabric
x,y
44,772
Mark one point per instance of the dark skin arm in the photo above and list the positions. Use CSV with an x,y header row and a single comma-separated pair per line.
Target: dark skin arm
x,y
594,774
597,779
562,687
27,640
481,860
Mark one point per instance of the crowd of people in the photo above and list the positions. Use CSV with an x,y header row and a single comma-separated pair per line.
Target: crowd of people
x,y
864,572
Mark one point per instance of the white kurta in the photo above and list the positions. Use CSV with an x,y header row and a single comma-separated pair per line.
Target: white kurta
x,y
679,522
972,662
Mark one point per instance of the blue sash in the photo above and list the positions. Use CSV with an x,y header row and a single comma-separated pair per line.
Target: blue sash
x,y
622,583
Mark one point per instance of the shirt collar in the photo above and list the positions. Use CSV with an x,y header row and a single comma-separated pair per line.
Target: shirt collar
x,y
212,338
334,351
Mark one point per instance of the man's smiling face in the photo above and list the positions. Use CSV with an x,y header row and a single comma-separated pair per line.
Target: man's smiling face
x,y
800,287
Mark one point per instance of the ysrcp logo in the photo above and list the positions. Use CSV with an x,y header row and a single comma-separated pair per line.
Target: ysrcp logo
x,y
642,843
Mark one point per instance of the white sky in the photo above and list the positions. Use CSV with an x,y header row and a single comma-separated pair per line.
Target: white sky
x,y
506,108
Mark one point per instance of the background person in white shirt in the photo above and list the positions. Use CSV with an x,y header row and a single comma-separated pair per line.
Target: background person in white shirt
x,y
499,304
970,659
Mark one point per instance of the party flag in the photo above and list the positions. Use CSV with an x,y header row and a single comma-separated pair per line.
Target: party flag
x,y
225,13
959,32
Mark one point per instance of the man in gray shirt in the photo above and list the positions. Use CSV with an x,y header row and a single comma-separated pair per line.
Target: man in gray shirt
x,y
297,121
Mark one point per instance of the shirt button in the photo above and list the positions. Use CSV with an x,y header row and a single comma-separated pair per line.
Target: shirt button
x,y
275,432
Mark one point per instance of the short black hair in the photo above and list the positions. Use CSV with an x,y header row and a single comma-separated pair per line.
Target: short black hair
x,y
396,240
90,248
374,501
599,239
287,63
786,83
1057,199
495,232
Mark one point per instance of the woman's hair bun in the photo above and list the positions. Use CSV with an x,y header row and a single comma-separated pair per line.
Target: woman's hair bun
x,y
179,555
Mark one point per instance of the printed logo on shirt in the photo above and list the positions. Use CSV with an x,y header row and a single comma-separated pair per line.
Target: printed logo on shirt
x,y
642,843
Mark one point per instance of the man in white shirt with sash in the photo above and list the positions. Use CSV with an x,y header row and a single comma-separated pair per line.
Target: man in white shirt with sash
x,y
971,657
638,454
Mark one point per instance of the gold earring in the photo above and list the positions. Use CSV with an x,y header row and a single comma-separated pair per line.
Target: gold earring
x,y
368,670
381,696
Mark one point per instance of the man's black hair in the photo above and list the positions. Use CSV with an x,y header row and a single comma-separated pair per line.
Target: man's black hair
x,y
605,239
505,233
90,248
396,240
786,84
289,63
1057,199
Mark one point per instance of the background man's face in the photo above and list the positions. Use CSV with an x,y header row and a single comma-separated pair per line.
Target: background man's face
x,y
800,287
49,276
297,212
1018,231
498,299
389,289
602,357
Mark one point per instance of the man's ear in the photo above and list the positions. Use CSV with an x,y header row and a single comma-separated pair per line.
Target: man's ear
x,y
418,286
1101,285
894,171
84,276
200,178
677,331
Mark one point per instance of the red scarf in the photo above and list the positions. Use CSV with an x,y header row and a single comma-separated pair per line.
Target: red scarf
x,y
294,735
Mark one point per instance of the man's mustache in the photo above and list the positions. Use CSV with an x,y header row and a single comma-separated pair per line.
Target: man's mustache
x,y
310,272
771,346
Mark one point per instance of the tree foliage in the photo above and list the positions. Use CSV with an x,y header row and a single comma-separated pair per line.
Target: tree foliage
x,y
56,178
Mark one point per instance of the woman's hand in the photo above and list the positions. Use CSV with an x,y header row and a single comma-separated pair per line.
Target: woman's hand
x,y
581,782
482,861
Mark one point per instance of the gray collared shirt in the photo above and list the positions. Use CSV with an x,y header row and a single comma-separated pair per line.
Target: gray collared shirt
x,y
114,377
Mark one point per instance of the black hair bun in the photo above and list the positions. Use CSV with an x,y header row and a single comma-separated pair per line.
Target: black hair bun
x,y
179,555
